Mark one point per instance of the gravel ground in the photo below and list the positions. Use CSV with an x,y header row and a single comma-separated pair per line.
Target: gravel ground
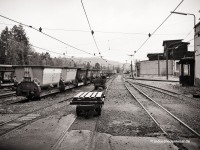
x,y
186,109
14,110
122,116
31,105
122,125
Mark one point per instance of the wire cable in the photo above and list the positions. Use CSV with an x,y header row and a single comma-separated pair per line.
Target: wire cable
x,y
106,32
46,34
150,35
188,33
92,32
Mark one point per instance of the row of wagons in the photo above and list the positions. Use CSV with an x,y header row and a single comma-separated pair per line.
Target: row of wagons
x,y
30,81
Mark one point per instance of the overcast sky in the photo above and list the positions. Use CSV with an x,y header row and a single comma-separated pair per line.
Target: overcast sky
x,y
130,22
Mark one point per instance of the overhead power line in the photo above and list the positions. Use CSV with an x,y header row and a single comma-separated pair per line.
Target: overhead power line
x,y
40,30
106,32
150,34
189,33
92,32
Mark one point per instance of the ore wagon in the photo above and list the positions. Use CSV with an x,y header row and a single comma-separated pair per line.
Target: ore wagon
x,y
81,76
95,74
68,78
33,79
89,76
6,75
100,82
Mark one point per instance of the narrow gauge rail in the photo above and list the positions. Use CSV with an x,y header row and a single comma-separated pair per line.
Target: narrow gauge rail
x,y
7,94
143,102
92,143
28,118
176,95
161,90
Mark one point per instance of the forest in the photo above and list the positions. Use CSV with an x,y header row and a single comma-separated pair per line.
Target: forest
x,y
15,49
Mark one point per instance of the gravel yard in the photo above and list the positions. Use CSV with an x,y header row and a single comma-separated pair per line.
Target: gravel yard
x,y
123,116
187,109
123,124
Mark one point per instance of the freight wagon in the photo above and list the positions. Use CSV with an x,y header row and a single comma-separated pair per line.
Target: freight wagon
x,y
38,81
33,79
68,78
81,76
7,77
95,74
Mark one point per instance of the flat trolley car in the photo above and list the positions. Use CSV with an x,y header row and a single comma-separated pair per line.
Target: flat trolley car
x,y
88,101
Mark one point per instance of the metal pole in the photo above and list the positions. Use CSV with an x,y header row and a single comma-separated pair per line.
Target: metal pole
x,y
167,63
131,68
158,65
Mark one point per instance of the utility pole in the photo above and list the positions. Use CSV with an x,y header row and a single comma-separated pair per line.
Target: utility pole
x,y
167,63
131,67
158,65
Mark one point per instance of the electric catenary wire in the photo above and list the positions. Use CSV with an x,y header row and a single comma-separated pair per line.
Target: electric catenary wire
x,y
40,30
105,32
158,27
92,32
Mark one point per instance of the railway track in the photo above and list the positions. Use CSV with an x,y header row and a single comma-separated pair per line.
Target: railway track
x,y
7,94
30,117
171,126
7,98
92,141
162,90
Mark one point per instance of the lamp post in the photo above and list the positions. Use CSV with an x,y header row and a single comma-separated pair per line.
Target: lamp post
x,y
180,13
132,65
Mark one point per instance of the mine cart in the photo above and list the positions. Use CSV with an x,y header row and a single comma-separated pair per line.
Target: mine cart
x,y
100,82
88,101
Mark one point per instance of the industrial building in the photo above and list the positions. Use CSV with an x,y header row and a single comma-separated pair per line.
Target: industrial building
x,y
174,50
197,54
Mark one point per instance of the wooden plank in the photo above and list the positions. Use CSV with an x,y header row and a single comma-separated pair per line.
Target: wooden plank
x,y
99,94
83,95
78,95
94,94
89,94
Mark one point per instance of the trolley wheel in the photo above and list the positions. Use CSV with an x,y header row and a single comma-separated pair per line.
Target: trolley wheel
x,y
78,111
98,110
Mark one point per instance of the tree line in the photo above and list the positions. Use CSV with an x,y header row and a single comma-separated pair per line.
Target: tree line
x,y
15,49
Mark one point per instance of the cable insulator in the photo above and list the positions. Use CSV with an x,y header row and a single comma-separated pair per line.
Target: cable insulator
x,y
40,29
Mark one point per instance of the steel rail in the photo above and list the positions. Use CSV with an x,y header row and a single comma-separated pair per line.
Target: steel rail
x,y
92,142
91,145
179,120
30,121
8,94
165,133
156,88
